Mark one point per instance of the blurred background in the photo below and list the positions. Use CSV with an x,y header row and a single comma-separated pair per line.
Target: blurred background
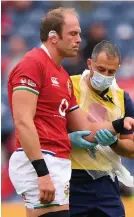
x,y
20,22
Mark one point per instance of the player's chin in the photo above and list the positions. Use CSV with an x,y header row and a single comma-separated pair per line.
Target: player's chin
x,y
73,54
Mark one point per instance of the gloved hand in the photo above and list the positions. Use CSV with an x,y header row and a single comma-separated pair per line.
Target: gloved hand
x,y
105,138
78,141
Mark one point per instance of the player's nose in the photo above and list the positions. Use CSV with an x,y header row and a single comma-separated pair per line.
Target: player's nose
x,y
78,39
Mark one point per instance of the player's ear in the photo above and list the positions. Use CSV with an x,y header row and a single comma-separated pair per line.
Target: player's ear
x,y
89,63
53,36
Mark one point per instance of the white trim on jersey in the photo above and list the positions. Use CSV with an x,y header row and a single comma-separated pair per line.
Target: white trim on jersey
x,y
45,49
73,108
26,88
43,151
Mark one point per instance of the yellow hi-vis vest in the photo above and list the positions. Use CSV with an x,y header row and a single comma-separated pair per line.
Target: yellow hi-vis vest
x,y
98,111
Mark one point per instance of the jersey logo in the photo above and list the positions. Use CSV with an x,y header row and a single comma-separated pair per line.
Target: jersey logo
x,y
23,81
55,81
31,83
63,107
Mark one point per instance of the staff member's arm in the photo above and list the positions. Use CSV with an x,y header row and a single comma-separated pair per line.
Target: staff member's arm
x,y
24,107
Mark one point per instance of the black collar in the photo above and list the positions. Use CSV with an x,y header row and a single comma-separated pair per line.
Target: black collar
x,y
102,94
106,98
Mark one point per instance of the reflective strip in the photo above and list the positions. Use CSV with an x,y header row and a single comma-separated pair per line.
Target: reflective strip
x,y
26,88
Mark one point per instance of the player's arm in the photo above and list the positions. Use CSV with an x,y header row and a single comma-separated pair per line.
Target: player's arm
x,y
24,108
24,102
77,120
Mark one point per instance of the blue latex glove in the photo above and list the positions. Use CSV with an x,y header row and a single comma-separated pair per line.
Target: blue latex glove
x,y
105,138
78,141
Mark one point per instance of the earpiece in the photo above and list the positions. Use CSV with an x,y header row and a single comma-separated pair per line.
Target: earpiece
x,y
52,33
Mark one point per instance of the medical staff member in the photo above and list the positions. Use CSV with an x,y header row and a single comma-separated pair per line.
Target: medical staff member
x,y
93,192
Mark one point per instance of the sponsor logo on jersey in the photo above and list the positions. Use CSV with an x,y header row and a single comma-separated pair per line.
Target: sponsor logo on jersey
x,y
55,81
69,85
31,83
23,81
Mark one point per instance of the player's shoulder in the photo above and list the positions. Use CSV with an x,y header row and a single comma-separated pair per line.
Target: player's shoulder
x,y
31,57
31,60
66,74
36,54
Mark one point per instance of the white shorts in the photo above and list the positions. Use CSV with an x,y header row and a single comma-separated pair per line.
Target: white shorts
x,y
24,179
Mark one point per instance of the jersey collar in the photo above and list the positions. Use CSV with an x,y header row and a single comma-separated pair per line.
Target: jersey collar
x,y
45,49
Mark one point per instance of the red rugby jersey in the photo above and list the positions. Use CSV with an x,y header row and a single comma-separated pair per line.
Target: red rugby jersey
x,y
37,73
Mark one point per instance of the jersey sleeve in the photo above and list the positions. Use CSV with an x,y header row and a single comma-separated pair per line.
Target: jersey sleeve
x,y
73,103
27,75
129,110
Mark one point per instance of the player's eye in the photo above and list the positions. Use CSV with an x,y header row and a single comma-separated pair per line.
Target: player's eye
x,y
74,33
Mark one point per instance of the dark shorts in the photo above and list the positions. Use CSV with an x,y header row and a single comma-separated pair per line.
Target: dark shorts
x,y
94,198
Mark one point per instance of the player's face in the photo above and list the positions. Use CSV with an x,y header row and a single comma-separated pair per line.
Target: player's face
x,y
68,45
104,65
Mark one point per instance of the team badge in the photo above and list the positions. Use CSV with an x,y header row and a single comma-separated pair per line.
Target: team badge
x,y
69,85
